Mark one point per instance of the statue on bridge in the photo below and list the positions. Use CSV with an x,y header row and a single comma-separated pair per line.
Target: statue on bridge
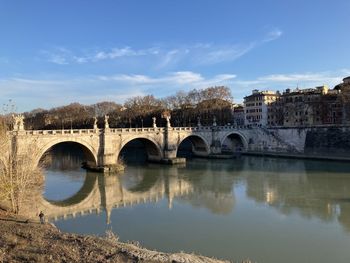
x,y
199,122
168,121
214,121
18,122
154,122
106,122
166,115
95,123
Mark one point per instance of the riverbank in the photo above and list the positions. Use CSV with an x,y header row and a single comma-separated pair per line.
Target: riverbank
x,y
23,240
298,156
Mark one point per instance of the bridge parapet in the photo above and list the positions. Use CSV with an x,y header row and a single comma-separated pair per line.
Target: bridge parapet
x,y
57,132
135,130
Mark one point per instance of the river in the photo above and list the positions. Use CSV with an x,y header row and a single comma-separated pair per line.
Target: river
x,y
265,209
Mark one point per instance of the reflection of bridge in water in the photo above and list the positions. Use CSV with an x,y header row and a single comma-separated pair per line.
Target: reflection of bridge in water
x,y
309,188
103,193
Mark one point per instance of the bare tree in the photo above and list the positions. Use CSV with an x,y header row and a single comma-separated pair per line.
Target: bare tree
x,y
18,171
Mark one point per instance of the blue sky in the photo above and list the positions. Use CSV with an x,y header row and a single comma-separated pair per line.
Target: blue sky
x,y
57,52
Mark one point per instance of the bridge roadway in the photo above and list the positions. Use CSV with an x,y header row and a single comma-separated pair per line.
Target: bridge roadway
x,y
103,146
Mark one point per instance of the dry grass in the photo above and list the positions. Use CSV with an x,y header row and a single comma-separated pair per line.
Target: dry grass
x,y
19,172
111,236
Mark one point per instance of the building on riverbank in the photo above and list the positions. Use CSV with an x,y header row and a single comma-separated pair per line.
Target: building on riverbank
x,y
344,93
299,107
256,107
238,115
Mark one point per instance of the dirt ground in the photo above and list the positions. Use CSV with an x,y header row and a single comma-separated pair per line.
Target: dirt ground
x,y
22,240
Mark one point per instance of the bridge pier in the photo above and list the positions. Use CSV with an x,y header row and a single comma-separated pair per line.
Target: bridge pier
x,y
169,156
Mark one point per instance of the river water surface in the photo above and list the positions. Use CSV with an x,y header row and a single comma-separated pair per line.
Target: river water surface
x,y
265,209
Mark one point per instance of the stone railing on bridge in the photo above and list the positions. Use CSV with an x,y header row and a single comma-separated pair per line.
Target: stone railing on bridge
x,y
57,132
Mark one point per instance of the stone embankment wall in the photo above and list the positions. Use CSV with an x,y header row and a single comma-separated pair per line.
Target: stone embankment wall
x,y
295,137
331,140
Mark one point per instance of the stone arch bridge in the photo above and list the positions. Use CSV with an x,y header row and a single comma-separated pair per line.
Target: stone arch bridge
x,y
103,146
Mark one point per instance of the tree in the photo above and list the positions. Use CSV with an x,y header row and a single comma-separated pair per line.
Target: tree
x,y
18,171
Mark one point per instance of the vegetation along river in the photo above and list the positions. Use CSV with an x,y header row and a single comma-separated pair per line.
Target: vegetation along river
x,y
264,209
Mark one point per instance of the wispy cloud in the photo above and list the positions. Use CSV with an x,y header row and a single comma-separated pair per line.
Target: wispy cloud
x,y
30,93
289,80
180,79
225,53
273,35
119,52
165,55
64,56
47,92
218,54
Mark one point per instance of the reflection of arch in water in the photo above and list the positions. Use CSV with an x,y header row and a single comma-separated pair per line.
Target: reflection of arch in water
x,y
234,141
152,148
146,183
89,152
103,193
195,144
78,197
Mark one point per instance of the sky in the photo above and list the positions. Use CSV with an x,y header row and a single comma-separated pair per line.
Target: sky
x,y
53,53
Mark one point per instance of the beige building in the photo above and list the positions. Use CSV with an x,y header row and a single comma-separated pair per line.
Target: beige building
x,y
305,107
302,106
238,115
256,107
344,94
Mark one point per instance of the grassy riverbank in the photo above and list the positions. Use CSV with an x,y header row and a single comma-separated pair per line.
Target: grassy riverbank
x,y
23,240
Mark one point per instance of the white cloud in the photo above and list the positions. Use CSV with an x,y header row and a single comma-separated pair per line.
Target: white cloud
x,y
29,93
273,35
166,56
283,81
57,59
302,78
216,54
119,52
185,77
178,79
224,53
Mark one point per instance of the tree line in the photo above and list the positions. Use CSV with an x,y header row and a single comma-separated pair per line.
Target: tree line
x,y
185,108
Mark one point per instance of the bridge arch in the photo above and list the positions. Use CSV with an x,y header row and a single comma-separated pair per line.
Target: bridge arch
x,y
153,149
89,151
199,145
233,141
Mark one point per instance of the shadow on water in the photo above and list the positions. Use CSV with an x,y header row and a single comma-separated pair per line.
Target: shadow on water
x,y
78,197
